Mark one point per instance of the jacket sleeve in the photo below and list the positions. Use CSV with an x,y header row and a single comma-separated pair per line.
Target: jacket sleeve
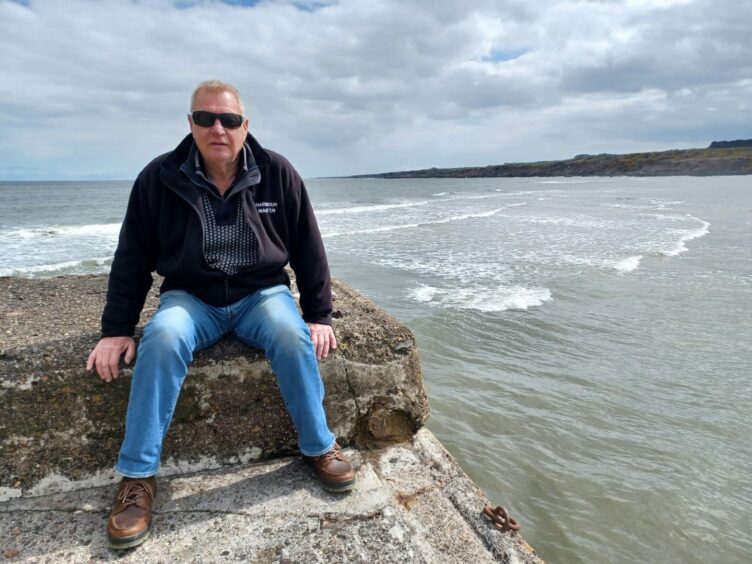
x,y
130,274
307,254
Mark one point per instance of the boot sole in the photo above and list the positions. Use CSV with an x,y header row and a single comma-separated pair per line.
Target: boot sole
x,y
130,542
334,487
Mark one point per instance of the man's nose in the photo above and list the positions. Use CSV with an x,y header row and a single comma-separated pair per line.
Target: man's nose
x,y
217,126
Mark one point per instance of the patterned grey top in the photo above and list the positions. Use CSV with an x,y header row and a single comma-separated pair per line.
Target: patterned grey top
x,y
228,248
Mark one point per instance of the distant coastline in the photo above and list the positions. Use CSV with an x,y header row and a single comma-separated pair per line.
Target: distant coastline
x,y
721,158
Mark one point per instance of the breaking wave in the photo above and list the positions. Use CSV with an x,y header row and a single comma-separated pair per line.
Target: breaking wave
x,y
485,299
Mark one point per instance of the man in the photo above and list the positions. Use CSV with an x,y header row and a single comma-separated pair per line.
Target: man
x,y
219,217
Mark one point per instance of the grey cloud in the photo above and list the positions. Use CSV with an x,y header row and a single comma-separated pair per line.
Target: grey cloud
x,y
349,79
687,45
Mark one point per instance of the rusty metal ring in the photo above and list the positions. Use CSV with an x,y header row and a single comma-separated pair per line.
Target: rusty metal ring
x,y
500,517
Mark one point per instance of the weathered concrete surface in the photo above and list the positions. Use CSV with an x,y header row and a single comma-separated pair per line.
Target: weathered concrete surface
x,y
412,503
61,427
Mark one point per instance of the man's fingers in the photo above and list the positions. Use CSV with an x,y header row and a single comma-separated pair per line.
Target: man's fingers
x,y
130,352
115,366
325,346
103,369
107,365
322,337
90,360
328,340
106,356
319,346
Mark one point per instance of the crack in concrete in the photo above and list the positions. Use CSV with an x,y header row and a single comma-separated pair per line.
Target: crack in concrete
x,y
53,510
322,516
318,515
350,387
407,499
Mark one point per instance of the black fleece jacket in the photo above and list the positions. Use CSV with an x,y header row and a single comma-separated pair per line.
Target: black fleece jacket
x,y
163,230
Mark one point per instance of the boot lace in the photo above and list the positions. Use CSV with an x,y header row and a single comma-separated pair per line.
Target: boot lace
x,y
334,454
133,491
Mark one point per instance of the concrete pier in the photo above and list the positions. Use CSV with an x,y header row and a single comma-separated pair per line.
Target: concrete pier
x,y
232,486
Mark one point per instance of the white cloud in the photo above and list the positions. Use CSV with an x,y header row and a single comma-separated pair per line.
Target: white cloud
x,y
96,89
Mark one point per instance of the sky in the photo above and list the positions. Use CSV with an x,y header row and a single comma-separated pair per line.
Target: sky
x,y
96,89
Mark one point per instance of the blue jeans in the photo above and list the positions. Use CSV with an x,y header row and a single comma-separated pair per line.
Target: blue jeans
x,y
182,325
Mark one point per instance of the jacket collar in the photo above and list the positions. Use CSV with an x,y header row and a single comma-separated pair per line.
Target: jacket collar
x,y
255,158
248,173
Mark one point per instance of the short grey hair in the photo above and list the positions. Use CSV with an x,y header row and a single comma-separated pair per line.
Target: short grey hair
x,y
217,86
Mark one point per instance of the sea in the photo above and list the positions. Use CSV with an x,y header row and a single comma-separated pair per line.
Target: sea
x,y
586,342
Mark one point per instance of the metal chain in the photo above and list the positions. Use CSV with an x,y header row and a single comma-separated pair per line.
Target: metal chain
x,y
500,517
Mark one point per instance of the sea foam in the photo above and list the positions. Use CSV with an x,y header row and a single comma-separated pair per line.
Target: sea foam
x,y
105,229
688,235
423,293
485,299
449,219
627,265
58,267
369,208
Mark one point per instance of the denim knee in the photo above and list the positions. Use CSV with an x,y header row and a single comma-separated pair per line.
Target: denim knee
x,y
162,340
291,338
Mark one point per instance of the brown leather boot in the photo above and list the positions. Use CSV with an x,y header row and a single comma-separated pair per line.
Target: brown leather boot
x,y
130,519
333,469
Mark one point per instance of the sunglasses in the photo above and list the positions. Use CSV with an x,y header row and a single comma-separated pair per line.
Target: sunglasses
x,y
207,119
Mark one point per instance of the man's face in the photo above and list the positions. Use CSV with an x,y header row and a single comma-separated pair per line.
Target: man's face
x,y
218,146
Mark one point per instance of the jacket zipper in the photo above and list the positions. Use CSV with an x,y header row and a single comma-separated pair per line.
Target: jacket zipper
x,y
227,290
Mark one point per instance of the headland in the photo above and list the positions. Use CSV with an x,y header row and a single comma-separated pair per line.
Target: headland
x,y
721,158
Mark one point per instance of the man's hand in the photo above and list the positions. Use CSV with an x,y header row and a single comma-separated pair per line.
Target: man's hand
x,y
106,356
323,339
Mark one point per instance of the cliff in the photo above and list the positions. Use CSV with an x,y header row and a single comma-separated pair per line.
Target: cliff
x,y
719,159
727,144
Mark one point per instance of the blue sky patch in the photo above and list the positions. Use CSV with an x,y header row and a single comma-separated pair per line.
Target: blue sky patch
x,y
184,4
313,6
306,6
501,55
248,3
